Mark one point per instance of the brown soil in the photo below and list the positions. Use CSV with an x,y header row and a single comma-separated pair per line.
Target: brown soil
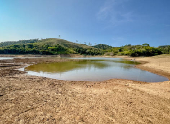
x,y
30,99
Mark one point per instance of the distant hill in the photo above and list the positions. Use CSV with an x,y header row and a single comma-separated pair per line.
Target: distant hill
x,y
102,46
55,46
47,46
62,42
48,41
8,43
165,49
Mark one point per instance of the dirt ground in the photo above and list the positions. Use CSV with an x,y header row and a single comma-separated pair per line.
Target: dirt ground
x,y
29,99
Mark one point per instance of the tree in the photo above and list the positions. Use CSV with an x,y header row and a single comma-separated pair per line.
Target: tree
x,y
145,44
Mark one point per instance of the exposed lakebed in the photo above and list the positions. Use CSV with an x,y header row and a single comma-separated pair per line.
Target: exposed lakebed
x,y
93,69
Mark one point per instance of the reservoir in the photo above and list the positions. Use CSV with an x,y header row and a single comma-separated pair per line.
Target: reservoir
x,y
94,69
5,58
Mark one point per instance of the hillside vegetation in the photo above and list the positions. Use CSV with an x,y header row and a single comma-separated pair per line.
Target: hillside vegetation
x,y
49,46
54,46
9,43
102,46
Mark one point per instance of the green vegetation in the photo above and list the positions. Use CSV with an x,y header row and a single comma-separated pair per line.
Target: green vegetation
x,y
134,50
102,46
54,46
165,49
4,44
49,46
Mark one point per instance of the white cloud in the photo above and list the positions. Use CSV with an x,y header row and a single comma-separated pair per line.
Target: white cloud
x,y
114,12
105,9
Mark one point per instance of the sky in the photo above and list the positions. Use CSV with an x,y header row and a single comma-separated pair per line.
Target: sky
x,y
112,22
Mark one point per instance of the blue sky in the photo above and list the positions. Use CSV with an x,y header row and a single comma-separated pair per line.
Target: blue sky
x,y
112,22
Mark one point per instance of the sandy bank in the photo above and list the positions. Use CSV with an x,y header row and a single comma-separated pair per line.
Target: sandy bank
x,y
31,99
157,64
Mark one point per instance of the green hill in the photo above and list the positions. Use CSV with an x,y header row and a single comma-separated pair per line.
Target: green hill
x,y
47,46
165,49
62,42
48,41
102,46
8,43
54,46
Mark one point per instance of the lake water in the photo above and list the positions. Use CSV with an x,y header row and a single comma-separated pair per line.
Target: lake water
x,y
4,58
94,69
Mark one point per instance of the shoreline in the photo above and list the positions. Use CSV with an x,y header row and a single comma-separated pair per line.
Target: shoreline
x,y
144,61
32,99
147,68
158,72
138,59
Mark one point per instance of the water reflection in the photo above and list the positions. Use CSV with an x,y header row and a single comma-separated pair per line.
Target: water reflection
x,y
67,66
93,69
5,58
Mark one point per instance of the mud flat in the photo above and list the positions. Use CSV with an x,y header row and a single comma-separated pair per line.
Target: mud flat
x,y
31,99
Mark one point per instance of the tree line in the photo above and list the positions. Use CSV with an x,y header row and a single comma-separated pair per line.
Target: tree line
x,y
135,50
34,48
59,46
